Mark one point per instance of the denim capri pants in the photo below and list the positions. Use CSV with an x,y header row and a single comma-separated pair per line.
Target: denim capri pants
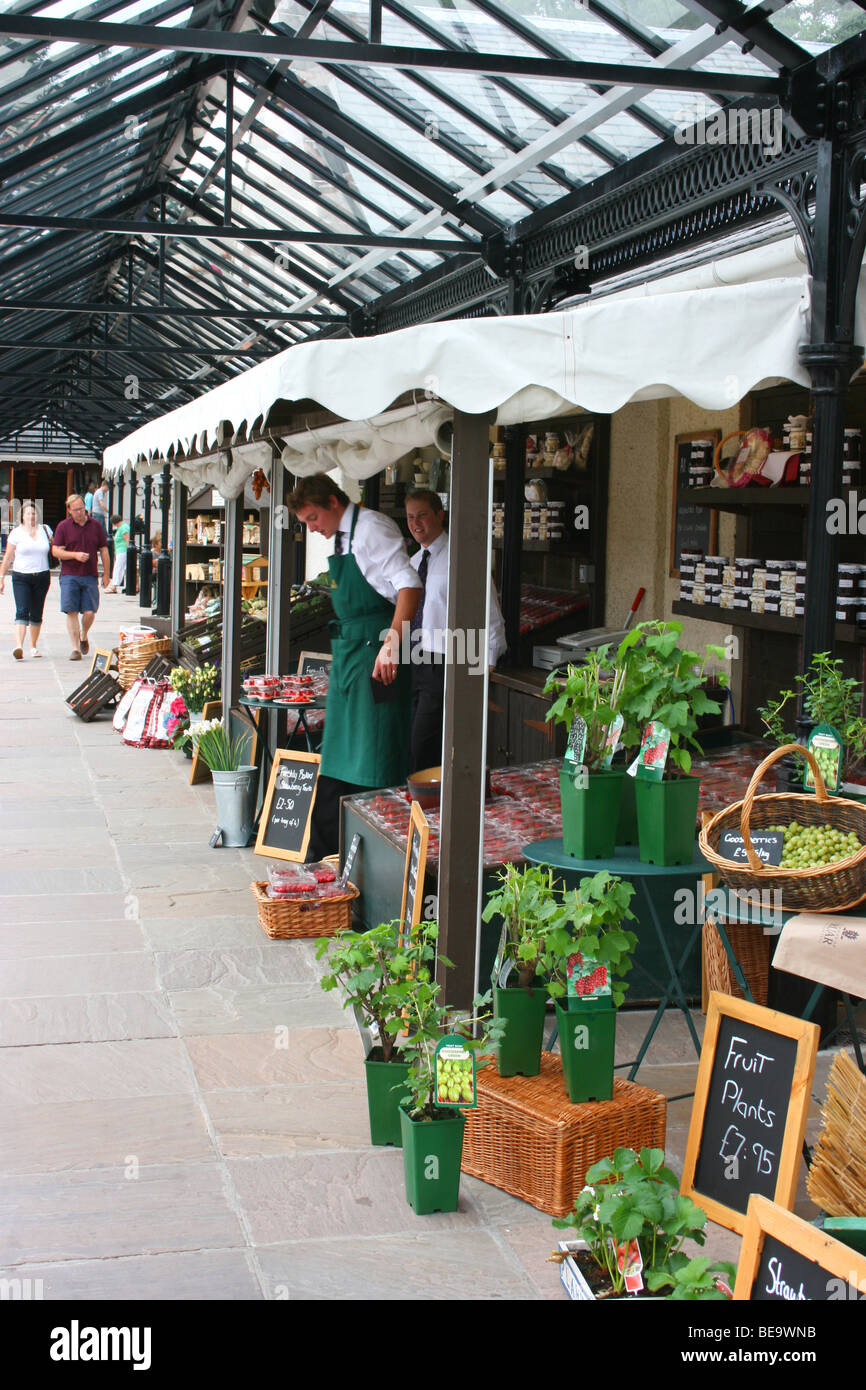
x,y
30,591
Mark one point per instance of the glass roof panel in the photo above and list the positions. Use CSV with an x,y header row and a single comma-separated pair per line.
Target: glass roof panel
x,y
818,24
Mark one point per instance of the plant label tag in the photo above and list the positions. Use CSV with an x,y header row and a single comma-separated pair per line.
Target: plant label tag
x,y
631,770
653,753
501,967
825,745
454,1075
630,1263
576,740
612,740
350,859
767,845
585,978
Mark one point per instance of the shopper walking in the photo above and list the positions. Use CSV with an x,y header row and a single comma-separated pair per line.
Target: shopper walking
x,y
99,507
27,554
374,591
77,542
120,534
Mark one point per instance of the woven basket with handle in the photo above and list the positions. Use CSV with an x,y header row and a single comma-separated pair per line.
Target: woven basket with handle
x,y
828,888
134,656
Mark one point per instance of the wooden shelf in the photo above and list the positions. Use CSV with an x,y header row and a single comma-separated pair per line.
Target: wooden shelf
x,y
743,499
769,622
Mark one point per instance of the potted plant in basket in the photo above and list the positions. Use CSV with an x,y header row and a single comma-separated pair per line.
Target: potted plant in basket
x,y
376,971
631,1223
530,906
829,697
661,707
234,779
586,955
431,1121
590,787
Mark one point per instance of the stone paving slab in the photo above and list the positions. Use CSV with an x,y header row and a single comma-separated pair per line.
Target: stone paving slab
x,y
203,933
200,1275
97,937
237,968
117,972
65,907
268,1120
236,1060
85,1018
95,1134
255,1010
95,1071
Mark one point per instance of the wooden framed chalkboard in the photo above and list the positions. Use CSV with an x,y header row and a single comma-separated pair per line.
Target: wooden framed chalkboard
x,y
199,771
692,527
749,1112
414,870
102,660
284,827
784,1259
310,662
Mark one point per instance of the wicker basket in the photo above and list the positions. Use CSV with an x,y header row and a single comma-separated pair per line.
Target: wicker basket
x,y
284,920
831,888
527,1138
132,657
751,946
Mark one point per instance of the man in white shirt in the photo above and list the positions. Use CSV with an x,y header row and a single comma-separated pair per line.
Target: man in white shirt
x,y
426,521
374,592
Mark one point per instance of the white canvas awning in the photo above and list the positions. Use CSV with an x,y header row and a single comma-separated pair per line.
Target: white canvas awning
x,y
712,345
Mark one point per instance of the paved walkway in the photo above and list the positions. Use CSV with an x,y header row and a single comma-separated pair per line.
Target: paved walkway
x,y
156,1141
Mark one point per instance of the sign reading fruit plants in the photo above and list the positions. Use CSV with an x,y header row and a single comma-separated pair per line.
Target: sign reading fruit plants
x,y
454,1074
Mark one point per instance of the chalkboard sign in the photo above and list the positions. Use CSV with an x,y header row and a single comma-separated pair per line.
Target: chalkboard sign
x,y
284,827
767,844
414,870
692,527
749,1112
311,662
199,771
785,1260
102,661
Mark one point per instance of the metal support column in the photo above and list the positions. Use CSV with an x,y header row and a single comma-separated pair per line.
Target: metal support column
x,y
179,498
281,562
163,564
145,571
461,842
231,608
131,551
512,538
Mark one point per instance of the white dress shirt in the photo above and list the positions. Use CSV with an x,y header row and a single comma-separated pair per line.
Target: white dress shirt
x,y
435,617
379,550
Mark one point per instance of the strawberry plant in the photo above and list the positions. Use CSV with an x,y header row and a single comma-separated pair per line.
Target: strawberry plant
x,y
530,906
590,924
667,684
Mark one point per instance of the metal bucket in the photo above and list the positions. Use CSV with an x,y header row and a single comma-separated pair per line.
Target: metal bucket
x,y
236,805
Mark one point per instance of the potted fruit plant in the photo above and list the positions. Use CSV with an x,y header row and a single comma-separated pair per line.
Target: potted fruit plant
x,y
586,955
631,1223
590,787
431,1120
530,906
829,697
665,697
376,971
234,779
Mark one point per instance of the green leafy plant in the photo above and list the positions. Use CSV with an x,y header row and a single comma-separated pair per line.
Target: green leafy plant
x,y
697,1280
632,1196
531,905
829,697
666,683
593,692
591,924
378,972
217,748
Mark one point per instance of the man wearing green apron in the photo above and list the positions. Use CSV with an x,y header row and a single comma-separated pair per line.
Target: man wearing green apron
x,y
374,591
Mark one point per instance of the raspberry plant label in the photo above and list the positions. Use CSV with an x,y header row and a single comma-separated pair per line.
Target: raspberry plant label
x,y
653,753
454,1075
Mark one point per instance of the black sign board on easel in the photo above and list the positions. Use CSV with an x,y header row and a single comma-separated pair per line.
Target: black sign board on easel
x,y
749,1112
785,1259
284,826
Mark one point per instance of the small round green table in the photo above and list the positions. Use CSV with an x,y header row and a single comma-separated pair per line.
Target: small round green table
x,y
625,865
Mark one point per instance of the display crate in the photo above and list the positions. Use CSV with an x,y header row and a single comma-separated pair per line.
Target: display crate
x,y
527,1138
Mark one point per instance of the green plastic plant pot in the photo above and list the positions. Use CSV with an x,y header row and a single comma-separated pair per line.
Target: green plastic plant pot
x,y
590,813
667,814
522,1010
432,1153
626,829
386,1088
587,1041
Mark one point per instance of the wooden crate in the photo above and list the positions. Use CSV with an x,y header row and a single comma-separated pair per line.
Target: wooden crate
x,y
527,1138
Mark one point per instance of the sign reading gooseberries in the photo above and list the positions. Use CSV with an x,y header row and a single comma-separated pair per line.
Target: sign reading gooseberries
x,y
454,1067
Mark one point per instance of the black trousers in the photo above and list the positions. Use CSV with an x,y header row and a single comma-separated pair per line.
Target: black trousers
x,y
325,823
428,713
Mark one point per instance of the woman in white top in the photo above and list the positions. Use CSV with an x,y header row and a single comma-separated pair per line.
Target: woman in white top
x,y
27,550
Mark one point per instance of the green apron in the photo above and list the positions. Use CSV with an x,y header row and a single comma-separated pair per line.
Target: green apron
x,y
364,742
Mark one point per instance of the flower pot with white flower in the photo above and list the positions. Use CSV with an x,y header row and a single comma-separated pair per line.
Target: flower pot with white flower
x,y
234,779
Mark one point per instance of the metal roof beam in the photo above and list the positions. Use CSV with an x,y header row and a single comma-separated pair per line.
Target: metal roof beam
x,y
753,29
15,306
272,48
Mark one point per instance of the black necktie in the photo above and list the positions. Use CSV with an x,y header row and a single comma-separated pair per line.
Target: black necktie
x,y
338,543
422,575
